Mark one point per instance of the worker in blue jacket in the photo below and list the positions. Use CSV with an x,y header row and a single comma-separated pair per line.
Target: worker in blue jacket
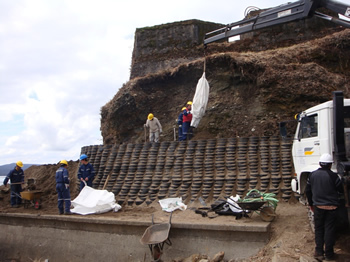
x,y
16,177
62,188
86,172
179,122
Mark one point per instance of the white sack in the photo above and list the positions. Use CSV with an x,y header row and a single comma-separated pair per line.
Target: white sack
x,y
171,204
200,100
233,204
93,201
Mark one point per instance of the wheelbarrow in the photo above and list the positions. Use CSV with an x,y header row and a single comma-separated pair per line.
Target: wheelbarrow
x,y
31,198
266,212
155,237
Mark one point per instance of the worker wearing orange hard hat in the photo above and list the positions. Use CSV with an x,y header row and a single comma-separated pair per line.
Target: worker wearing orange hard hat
x,y
16,177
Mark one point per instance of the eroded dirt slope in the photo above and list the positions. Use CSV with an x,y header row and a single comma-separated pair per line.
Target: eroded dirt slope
x,y
250,92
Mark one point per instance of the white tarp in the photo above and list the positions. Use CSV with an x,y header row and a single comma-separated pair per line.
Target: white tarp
x,y
93,201
171,204
200,100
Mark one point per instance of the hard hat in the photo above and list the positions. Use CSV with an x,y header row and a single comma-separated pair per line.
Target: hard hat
x,y
182,109
83,156
189,102
64,162
326,158
150,116
19,163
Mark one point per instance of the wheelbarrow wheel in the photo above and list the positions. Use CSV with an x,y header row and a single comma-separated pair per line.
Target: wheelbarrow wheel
x,y
156,252
267,214
26,203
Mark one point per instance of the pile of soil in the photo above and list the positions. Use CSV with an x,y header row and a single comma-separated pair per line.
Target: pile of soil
x,y
44,181
291,235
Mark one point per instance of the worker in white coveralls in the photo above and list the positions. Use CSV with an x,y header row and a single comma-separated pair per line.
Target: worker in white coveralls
x,y
155,128
62,188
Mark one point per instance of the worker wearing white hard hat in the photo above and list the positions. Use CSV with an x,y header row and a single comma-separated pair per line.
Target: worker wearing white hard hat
x,y
322,191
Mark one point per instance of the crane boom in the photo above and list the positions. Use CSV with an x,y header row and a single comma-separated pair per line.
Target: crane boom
x,y
279,15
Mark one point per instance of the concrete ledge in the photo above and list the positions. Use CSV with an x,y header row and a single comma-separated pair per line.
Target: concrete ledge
x,y
79,238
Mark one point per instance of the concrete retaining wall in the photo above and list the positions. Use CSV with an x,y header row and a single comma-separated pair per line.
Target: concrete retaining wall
x,y
57,238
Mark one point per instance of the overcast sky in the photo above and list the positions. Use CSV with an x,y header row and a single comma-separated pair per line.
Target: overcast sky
x,y
62,60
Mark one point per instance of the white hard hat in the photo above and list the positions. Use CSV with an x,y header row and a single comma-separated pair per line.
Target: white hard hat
x,y
326,158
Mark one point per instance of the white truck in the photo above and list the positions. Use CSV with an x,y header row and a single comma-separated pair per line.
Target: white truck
x,y
324,128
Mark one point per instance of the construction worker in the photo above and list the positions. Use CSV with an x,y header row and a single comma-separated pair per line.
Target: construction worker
x,y
186,124
179,122
322,191
86,172
16,177
62,188
155,128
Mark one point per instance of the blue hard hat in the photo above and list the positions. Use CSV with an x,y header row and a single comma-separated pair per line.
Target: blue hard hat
x,y
83,156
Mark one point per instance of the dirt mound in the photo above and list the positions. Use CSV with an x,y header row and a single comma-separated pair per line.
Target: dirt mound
x,y
44,177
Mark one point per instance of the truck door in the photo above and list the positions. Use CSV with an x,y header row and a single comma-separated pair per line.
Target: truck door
x,y
307,145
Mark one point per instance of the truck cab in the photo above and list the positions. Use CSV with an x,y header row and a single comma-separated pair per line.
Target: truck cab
x,y
320,131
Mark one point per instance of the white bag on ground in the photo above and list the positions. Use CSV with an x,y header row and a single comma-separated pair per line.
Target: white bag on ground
x,y
233,204
171,204
93,201
200,100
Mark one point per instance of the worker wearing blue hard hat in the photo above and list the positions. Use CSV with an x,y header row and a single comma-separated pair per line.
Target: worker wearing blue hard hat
x,y
86,172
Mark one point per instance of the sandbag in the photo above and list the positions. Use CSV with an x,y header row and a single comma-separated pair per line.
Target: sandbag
x,y
200,100
93,201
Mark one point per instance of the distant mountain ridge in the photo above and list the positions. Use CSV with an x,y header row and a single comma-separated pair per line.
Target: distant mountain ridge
x,y
5,169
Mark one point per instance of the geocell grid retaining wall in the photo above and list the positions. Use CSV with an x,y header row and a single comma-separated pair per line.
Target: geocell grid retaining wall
x,y
211,169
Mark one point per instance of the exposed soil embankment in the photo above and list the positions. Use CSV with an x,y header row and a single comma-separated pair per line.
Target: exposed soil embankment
x,y
249,92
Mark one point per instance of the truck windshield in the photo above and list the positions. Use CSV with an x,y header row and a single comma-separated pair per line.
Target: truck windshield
x,y
308,126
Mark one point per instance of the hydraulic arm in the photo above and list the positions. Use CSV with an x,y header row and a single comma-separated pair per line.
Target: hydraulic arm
x,y
282,14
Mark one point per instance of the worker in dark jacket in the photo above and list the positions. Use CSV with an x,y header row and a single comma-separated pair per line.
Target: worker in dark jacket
x,y
322,191
16,177
86,172
179,122
186,124
62,188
